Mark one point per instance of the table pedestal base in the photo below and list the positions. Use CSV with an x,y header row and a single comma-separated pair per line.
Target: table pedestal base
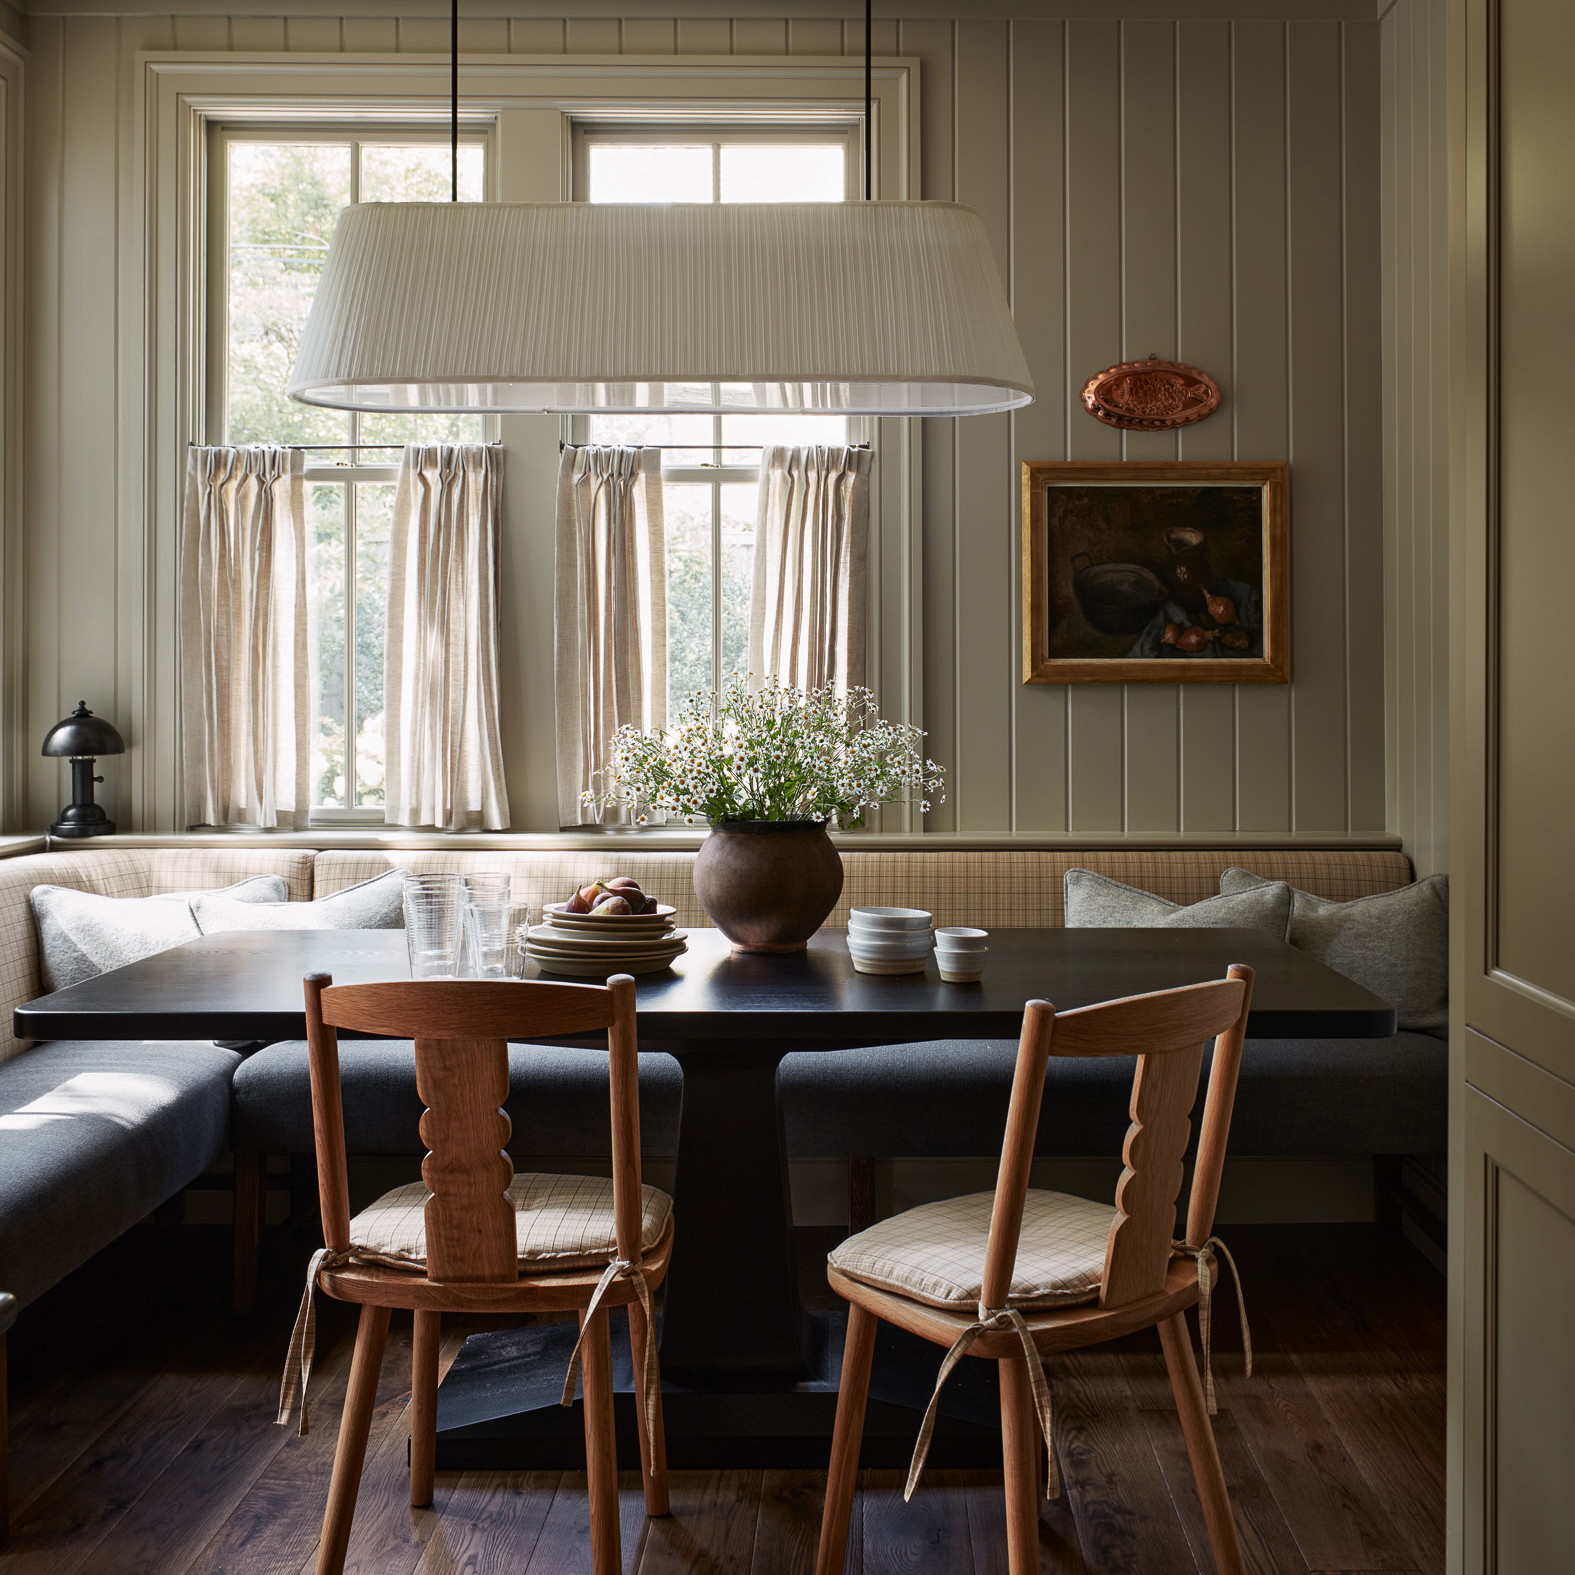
x,y
498,1407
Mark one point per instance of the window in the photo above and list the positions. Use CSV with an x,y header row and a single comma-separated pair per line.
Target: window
x,y
710,483
273,202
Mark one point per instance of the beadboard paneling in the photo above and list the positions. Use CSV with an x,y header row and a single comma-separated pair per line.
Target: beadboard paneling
x,y
1196,187
1414,173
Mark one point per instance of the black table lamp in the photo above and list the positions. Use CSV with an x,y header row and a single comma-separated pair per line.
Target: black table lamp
x,y
81,739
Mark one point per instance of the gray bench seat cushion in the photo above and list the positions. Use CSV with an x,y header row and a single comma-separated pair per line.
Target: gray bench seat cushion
x,y
949,1097
557,1100
94,1135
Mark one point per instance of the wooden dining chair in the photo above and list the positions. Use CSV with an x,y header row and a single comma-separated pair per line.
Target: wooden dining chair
x,y
1016,1275
473,1237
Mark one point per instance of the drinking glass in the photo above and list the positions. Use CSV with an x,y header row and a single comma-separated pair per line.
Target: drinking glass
x,y
433,921
519,935
487,924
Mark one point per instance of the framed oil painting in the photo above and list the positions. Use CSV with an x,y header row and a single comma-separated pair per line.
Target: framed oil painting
x,y
1155,572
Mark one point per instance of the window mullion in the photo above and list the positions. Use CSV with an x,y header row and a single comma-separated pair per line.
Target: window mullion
x,y
351,797
716,584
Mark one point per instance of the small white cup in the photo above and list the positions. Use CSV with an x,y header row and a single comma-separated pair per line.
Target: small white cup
x,y
959,938
970,971
960,955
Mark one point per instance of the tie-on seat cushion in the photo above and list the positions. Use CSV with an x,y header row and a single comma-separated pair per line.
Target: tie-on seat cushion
x,y
935,1253
560,1223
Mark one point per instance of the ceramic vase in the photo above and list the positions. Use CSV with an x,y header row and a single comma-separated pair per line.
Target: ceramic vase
x,y
768,884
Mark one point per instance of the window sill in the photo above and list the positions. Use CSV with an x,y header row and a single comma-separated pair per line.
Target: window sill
x,y
688,838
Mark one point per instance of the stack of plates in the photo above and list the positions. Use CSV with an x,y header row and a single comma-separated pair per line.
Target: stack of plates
x,y
592,946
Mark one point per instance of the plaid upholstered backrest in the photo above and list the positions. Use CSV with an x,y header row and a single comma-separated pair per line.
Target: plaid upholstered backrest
x,y
1011,889
116,872
1000,889
539,877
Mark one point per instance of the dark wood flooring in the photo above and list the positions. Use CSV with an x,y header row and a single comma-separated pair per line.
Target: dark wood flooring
x,y
143,1444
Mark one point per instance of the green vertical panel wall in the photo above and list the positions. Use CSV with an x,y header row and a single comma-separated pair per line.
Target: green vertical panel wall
x,y
1195,187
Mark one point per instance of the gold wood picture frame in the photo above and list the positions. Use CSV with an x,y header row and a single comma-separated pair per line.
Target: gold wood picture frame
x,y
1155,572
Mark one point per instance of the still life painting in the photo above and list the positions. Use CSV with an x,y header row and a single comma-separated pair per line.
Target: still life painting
x,y
1154,572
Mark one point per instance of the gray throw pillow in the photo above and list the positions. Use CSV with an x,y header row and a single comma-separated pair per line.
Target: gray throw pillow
x,y
82,934
1097,902
1394,943
376,904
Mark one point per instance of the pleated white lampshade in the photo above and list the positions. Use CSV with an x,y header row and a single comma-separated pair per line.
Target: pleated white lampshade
x,y
863,308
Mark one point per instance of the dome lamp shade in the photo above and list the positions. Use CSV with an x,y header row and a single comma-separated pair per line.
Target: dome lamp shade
x,y
83,734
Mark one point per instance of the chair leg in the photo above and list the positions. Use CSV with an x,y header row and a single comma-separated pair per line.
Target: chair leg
x,y
423,1406
251,1192
350,1454
601,1455
1201,1449
1020,1463
653,1445
846,1437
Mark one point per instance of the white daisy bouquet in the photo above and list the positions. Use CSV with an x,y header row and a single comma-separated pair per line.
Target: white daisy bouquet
x,y
774,753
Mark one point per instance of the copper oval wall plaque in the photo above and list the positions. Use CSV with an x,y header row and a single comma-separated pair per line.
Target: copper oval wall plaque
x,y
1151,395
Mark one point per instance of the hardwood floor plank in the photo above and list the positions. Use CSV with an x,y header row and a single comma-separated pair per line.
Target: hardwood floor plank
x,y
1335,1520
484,1520
158,1455
927,1536
1119,1496
65,1523
68,1418
789,1524
1059,1550
711,1528
1381,1383
1266,1540
564,1544
275,1525
187,1504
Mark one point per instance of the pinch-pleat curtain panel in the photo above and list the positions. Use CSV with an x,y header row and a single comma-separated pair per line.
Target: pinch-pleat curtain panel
x,y
611,610
807,618
444,752
247,684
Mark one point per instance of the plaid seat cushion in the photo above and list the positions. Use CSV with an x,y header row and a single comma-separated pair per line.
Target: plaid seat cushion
x,y
560,1222
935,1253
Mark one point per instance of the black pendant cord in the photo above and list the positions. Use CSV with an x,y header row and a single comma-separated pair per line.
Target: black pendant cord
x,y
453,96
869,108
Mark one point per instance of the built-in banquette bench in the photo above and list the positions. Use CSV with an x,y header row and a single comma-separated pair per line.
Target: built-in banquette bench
x,y
99,1134
1353,1097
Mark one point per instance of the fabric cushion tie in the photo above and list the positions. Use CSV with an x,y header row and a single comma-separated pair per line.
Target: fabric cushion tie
x,y
303,1340
1205,1260
991,1321
621,1269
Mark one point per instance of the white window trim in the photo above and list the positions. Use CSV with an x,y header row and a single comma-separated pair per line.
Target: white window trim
x,y
224,133
530,105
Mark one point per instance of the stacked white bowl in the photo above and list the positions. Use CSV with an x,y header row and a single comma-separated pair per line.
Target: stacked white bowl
x,y
960,952
889,940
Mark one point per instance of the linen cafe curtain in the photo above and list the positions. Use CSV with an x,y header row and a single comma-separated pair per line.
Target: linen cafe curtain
x,y
611,610
807,615
445,759
247,684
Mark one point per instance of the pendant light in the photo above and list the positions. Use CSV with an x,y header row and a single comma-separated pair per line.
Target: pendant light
x,y
857,308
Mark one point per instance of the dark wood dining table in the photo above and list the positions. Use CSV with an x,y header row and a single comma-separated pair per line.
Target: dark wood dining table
x,y
751,1377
